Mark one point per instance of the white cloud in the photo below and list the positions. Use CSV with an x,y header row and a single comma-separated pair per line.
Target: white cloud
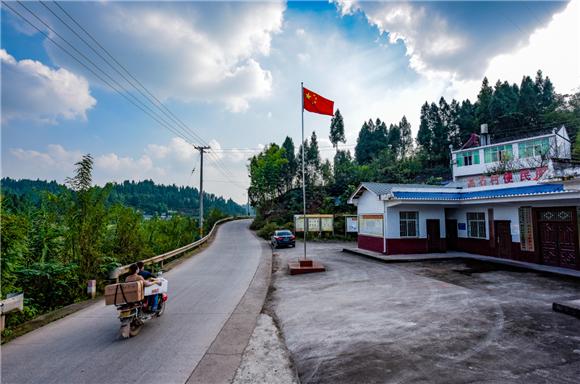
x,y
202,52
33,91
430,42
555,49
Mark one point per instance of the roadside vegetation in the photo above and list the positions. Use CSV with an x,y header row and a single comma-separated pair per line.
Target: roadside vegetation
x,y
57,238
388,153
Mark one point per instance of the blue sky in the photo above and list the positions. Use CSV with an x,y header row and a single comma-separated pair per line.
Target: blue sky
x,y
232,72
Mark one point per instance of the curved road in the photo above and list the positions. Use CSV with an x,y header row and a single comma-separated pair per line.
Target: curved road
x,y
85,348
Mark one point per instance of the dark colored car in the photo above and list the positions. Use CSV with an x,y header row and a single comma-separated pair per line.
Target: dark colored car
x,y
283,237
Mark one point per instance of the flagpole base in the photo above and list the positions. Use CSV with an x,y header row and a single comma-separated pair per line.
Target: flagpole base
x,y
305,266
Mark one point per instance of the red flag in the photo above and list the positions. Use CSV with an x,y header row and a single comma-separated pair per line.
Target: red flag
x,y
313,102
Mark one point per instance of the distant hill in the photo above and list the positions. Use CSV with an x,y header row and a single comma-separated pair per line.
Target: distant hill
x,y
145,196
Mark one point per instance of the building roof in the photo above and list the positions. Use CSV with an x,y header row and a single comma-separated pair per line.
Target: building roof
x,y
380,189
529,190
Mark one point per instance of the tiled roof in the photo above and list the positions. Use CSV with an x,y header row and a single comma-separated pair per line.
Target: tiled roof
x,y
485,194
383,188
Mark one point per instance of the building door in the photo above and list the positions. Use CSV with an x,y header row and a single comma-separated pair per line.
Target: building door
x,y
451,233
558,237
433,236
503,239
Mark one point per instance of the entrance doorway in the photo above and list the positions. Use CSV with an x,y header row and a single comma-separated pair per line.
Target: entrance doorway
x,y
451,234
558,237
433,236
503,238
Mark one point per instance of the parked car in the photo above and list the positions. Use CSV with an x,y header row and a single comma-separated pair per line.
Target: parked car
x,y
283,237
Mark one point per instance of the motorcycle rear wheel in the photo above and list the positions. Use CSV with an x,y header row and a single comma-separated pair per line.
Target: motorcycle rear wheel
x,y
135,328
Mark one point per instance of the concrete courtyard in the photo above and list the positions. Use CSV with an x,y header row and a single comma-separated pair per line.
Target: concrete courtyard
x,y
364,321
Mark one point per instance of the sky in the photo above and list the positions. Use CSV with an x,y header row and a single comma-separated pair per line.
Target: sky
x,y
227,74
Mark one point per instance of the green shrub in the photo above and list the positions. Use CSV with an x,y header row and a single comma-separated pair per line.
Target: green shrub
x,y
268,230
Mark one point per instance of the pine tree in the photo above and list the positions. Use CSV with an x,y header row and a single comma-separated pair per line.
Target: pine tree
x,y
291,167
484,99
406,137
337,129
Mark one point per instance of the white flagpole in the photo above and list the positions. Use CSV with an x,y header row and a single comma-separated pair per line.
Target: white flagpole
x,y
303,178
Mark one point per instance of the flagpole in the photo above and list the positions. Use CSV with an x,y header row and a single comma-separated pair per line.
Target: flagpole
x,y
303,178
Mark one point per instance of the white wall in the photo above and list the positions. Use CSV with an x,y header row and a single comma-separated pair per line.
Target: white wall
x,y
500,212
393,229
460,214
369,203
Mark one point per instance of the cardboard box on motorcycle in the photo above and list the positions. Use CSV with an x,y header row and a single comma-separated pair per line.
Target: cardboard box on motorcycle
x,y
122,293
133,291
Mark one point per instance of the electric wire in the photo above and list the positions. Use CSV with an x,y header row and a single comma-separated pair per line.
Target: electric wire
x,y
182,132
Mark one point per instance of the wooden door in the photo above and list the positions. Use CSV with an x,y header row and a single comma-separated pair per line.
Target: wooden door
x,y
558,237
451,233
503,239
433,236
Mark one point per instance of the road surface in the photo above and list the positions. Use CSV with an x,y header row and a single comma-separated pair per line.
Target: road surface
x,y
85,348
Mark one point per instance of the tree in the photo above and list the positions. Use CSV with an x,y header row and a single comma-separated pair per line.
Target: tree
x,y
484,99
312,161
406,138
425,134
291,167
372,139
394,140
337,129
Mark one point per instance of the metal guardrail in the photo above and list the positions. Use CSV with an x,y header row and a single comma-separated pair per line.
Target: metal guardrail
x,y
14,302
114,275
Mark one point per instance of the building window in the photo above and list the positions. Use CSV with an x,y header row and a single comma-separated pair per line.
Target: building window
x,y
476,225
538,147
409,222
498,153
467,158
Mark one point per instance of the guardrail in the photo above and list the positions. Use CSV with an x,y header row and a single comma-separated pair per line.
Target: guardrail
x,y
14,302
114,275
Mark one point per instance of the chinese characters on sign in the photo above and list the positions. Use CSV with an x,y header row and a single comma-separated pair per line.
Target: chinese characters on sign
x,y
507,178
526,229
316,223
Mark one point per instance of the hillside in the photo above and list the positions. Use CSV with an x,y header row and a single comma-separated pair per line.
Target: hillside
x,y
145,196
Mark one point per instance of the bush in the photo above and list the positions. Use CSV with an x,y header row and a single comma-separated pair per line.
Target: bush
x,y
268,230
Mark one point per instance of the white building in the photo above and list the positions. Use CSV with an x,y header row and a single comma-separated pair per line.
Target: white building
x,y
517,199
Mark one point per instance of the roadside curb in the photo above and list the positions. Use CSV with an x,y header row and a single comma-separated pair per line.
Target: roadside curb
x,y
222,359
557,271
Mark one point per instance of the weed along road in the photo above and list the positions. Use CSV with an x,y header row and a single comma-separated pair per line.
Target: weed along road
x,y
85,348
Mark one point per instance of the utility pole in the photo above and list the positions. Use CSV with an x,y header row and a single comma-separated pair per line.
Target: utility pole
x,y
201,150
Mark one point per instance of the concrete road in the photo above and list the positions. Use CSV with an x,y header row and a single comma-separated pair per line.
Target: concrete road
x,y
85,348
444,322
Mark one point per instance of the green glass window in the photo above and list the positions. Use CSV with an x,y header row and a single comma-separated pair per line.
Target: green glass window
x,y
467,158
498,153
538,147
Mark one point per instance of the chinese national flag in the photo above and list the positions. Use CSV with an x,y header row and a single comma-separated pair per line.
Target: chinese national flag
x,y
313,102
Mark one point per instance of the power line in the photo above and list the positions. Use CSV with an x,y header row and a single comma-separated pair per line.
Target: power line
x,y
136,103
183,131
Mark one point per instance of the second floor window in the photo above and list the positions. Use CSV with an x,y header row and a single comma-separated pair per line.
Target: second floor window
x,y
498,153
467,158
538,147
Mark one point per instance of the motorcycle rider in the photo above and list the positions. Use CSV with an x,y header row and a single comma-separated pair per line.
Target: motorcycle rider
x,y
134,276
142,272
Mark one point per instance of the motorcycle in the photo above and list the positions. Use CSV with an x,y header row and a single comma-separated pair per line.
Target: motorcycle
x,y
134,315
